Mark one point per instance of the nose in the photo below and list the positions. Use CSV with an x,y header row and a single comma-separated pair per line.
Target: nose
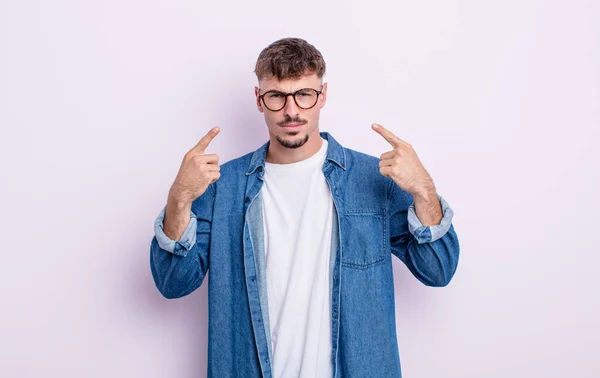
x,y
291,109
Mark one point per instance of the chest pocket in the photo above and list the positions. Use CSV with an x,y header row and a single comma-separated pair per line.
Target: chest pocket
x,y
364,237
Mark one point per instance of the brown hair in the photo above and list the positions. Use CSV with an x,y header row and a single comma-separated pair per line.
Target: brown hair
x,y
289,58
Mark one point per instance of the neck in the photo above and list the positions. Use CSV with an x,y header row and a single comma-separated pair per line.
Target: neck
x,y
278,154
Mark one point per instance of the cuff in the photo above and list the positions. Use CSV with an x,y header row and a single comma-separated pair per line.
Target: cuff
x,y
185,243
428,234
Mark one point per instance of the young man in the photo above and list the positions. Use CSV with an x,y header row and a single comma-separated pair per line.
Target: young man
x,y
298,236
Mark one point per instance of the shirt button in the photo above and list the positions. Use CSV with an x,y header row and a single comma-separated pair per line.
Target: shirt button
x,y
247,199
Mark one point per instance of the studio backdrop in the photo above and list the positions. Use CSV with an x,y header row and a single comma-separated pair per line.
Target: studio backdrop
x,y
100,100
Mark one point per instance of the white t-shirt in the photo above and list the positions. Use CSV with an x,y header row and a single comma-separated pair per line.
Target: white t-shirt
x,y
297,211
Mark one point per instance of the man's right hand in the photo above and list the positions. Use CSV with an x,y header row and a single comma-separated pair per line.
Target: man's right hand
x,y
198,170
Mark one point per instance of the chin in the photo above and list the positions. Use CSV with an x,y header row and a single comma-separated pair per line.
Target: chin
x,y
294,140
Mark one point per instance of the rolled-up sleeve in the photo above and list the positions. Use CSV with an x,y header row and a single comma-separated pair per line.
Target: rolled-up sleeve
x,y
182,246
428,234
431,253
180,266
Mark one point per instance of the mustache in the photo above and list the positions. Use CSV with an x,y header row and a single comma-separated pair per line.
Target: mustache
x,y
289,121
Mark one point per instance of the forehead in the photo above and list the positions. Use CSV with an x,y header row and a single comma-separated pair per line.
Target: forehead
x,y
290,85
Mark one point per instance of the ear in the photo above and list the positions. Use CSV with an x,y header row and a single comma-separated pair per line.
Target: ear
x,y
258,102
323,97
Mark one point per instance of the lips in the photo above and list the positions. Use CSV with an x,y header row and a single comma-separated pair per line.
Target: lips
x,y
293,125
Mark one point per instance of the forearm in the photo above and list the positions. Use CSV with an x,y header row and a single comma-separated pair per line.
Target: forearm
x,y
177,217
179,266
434,263
176,276
428,207
429,248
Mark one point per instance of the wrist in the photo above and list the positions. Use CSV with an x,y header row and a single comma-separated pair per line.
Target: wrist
x,y
178,202
425,196
426,193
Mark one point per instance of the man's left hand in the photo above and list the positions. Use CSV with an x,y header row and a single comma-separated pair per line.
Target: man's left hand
x,y
402,165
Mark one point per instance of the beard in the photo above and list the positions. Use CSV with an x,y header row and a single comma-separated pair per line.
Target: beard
x,y
292,143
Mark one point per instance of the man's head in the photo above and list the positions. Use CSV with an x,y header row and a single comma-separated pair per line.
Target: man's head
x,y
290,65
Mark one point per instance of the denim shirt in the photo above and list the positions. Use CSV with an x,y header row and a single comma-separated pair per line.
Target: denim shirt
x,y
373,219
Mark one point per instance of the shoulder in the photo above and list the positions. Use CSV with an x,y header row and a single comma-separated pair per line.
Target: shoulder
x,y
363,168
362,164
237,165
354,157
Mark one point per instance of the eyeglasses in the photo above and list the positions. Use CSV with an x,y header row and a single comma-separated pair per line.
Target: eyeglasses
x,y
305,98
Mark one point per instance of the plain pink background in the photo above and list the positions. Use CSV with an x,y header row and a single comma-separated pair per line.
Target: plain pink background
x,y
100,100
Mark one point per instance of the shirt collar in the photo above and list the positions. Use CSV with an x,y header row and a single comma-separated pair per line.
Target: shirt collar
x,y
335,154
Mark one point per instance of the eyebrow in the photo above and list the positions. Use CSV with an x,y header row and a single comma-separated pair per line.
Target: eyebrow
x,y
282,91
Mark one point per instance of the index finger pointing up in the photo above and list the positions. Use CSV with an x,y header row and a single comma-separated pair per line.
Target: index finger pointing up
x,y
387,135
205,141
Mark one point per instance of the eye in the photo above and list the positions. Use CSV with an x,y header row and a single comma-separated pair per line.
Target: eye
x,y
306,93
275,95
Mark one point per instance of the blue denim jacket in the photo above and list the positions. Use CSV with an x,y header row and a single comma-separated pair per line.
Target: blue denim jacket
x,y
373,219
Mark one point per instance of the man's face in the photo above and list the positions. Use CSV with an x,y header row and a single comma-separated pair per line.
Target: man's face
x,y
292,126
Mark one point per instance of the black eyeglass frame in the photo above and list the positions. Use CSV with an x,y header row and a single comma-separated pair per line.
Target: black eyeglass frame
x,y
293,94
